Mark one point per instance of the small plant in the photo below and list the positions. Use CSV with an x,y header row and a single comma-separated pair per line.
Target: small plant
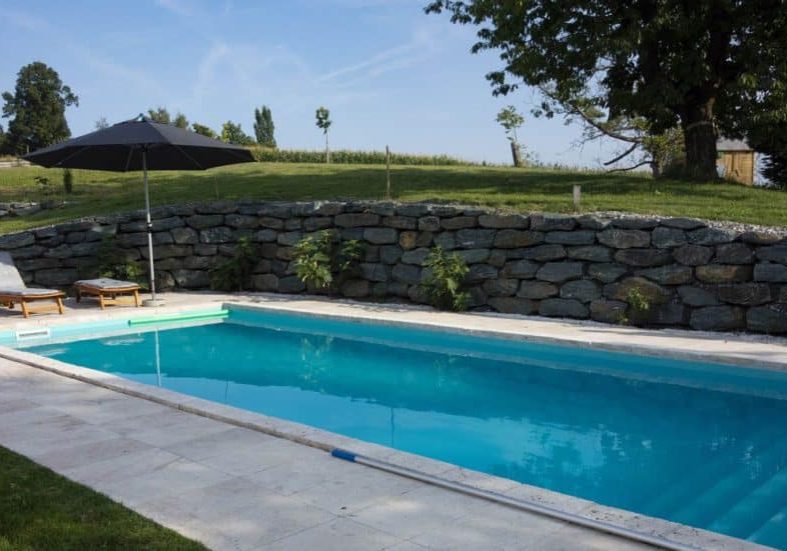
x,y
638,301
322,263
44,185
444,285
234,273
68,180
115,264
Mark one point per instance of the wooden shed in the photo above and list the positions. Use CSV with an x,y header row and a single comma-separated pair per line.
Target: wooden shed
x,y
736,161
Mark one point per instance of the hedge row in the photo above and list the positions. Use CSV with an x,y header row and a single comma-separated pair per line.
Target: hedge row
x,y
344,156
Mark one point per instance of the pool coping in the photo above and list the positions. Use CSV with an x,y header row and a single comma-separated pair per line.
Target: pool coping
x,y
328,441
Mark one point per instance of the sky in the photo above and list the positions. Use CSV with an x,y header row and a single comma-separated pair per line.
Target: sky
x,y
389,73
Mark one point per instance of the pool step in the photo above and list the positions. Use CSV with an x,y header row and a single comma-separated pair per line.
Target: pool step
x,y
774,529
700,509
703,478
763,502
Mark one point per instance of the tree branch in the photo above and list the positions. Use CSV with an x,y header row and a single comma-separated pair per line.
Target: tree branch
x,y
643,163
622,155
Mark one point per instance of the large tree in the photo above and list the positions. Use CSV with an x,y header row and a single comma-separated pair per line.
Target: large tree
x,y
695,64
160,114
324,122
37,108
203,129
233,133
264,127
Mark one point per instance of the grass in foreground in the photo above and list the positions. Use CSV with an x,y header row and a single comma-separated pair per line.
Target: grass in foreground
x,y
507,188
42,510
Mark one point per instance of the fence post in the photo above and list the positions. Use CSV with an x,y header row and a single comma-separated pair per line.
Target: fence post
x,y
577,197
387,173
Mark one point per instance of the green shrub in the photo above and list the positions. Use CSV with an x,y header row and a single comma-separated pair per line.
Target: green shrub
x,y
322,262
68,180
234,274
444,284
271,155
114,264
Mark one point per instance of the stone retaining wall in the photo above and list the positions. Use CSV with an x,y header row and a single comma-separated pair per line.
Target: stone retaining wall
x,y
685,272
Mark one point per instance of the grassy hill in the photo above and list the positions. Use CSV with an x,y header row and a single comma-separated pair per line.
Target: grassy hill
x,y
506,188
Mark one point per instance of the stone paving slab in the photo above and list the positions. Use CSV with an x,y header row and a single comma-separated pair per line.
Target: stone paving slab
x,y
234,488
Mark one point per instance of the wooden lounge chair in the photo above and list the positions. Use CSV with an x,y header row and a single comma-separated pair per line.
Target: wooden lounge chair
x,y
108,291
13,290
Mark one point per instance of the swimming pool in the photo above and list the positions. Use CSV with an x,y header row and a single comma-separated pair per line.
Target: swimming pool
x,y
695,443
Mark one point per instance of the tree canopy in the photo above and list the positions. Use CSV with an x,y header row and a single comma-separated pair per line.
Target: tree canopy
x,y
160,114
204,130
181,121
233,133
264,127
37,109
696,65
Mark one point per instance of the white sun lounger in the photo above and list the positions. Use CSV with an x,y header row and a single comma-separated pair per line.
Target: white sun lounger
x,y
13,290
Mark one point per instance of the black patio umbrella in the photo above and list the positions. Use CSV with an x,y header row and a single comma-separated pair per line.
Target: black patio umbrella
x,y
141,144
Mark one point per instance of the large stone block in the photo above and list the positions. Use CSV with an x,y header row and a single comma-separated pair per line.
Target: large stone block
x,y
520,269
56,277
582,290
221,234
576,237
770,319
275,210
475,239
563,308
204,221
390,254
650,291
317,223
634,222
683,223
480,272
556,272
415,256
185,236
271,222
355,288
375,272
217,207
643,257
359,219
663,238
590,253
734,253
192,279
550,222
692,255
674,274
289,239
761,237
593,222
608,311
697,296
500,287
474,256
401,222
774,253
291,284
167,251
446,240
718,318
412,209
429,223
624,239
607,273
511,305
458,222
537,290
723,273
544,253
503,221
381,236
711,236
770,272
406,273
16,240
745,294
512,239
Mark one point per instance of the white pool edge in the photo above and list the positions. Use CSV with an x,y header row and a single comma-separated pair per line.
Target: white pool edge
x,y
681,535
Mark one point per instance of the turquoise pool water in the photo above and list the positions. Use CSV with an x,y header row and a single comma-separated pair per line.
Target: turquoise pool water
x,y
695,443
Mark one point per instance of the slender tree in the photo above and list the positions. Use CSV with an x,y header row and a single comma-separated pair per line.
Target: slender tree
x,y
101,123
204,130
694,65
37,109
264,127
160,114
510,119
324,122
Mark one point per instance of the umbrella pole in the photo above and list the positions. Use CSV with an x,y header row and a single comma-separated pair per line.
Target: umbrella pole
x,y
153,301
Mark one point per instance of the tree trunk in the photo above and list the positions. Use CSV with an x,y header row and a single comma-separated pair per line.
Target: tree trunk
x,y
700,135
327,150
516,154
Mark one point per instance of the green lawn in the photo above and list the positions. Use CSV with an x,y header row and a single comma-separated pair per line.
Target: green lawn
x,y
508,188
42,510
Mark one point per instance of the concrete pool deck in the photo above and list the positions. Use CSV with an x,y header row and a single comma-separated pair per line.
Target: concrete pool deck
x,y
233,487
